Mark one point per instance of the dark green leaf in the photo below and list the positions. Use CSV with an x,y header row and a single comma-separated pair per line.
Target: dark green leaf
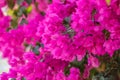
x,y
80,64
94,11
19,2
26,44
23,10
14,23
8,29
36,50
10,3
93,72
106,33
23,78
67,70
98,77
66,22
23,21
13,79
29,1
42,13
49,1
20,11
39,44
16,12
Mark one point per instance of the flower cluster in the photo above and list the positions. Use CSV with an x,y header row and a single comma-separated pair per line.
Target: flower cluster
x,y
59,38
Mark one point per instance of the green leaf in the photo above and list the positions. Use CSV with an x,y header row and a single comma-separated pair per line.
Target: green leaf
x,y
20,11
80,64
29,1
23,21
49,1
19,14
23,78
98,77
106,33
14,23
42,13
19,2
93,72
15,12
67,70
36,50
13,79
10,3
26,44
29,9
23,10
39,44
66,22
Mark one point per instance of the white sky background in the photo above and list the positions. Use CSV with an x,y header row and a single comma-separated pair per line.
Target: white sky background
x,y
4,66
